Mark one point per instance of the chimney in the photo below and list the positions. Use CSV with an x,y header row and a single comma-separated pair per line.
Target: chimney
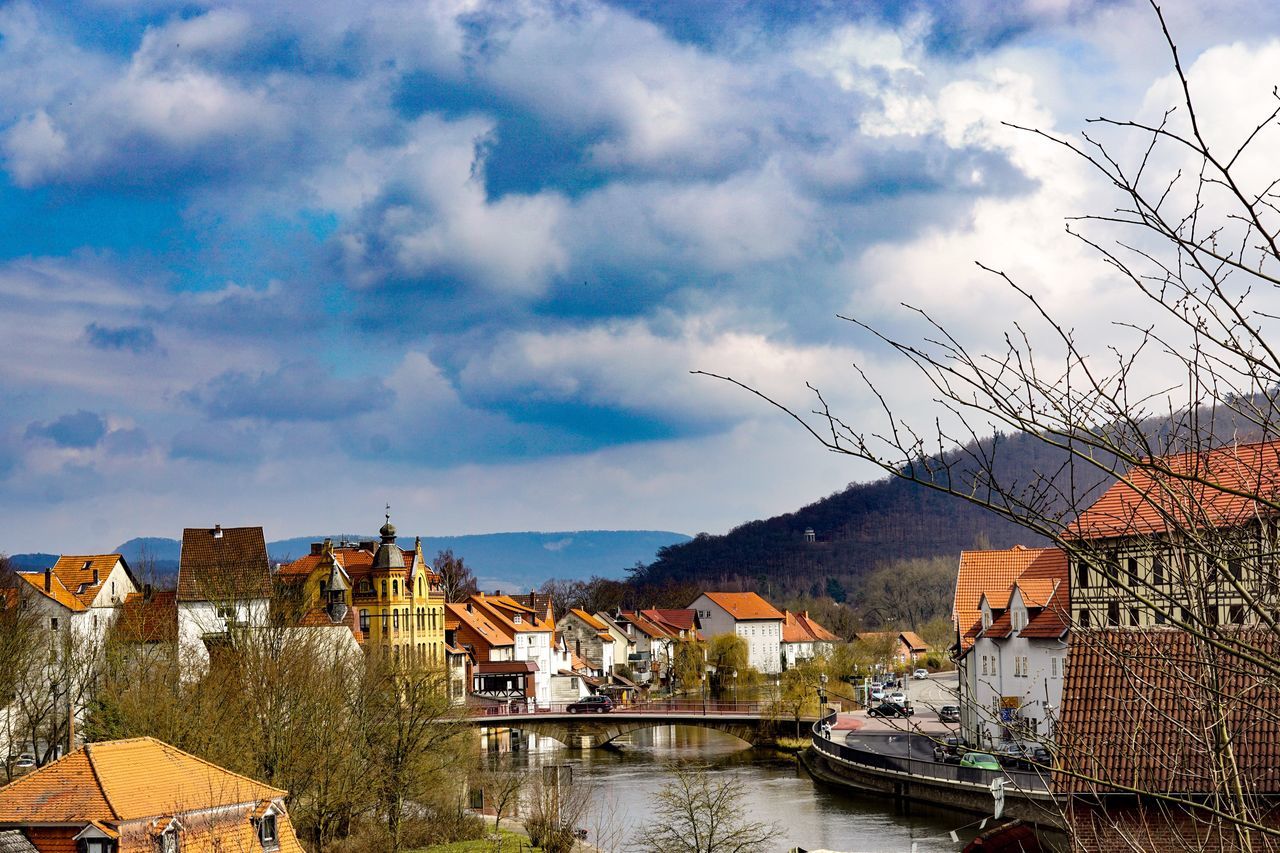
x,y
217,531
497,592
48,580
146,592
316,548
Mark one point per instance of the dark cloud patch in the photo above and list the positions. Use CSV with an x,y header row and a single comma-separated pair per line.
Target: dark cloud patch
x,y
136,339
298,391
79,430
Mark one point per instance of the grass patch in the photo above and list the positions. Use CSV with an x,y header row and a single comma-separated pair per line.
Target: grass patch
x,y
793,744
511,843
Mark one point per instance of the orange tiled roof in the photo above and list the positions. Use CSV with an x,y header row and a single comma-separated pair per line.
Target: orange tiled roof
x,y
502,610
992,573
800,628
645,626
76,573
230,566
1051,622
1161,493
125,780
153,621
478,620
914,641
57,590
1135,711
744,605
683,619
592,622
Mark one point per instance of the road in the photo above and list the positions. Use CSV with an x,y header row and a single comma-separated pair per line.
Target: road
x,y
925,695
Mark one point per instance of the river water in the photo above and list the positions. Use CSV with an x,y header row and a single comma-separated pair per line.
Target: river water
x,y
810,814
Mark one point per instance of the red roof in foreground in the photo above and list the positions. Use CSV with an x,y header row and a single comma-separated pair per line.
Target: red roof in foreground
x,y
153,620
1136,711
1202,490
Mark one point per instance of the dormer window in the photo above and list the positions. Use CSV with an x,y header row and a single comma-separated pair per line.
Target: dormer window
x,y
517,619
268,834
87,565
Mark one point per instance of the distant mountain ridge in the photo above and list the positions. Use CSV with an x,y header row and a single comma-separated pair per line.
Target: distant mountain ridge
x,y
509,561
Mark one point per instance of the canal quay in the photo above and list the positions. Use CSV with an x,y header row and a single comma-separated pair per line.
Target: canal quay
x,y
813,806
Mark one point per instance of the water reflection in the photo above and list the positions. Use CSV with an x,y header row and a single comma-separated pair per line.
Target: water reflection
x,y
810,814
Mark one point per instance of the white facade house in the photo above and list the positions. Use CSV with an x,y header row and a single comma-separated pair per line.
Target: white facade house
x,y
748,616
224,585
804,639
1015,668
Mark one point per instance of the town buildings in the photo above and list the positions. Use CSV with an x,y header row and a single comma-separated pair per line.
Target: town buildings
x,y
589,638
748,616
804,639
141,796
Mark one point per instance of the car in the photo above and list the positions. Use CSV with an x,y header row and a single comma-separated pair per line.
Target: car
x,y
897,698
949,750
25,760
1039,757
877,693
920,674
889,709
980,760
588,704
1011,754
949,714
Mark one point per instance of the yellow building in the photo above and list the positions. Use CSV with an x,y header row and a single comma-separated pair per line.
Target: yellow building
x,y
397,597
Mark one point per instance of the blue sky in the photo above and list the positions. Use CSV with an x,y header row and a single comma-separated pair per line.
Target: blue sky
x,y
279,263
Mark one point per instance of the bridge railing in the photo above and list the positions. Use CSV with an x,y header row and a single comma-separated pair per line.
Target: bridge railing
x,y
661,707
824,740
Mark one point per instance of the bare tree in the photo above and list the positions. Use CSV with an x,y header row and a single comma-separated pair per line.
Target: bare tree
x,y
455,576
701,812
1187,539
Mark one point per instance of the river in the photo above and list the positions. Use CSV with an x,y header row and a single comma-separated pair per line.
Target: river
x,y
810,814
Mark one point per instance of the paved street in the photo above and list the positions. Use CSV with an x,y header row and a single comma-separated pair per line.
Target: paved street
x,y
925,697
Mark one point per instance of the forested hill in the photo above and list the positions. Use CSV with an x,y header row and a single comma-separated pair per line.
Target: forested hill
x,y
865,527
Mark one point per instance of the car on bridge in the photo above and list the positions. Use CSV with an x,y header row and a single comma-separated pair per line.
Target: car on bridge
x,y
591,704
949,714
890,709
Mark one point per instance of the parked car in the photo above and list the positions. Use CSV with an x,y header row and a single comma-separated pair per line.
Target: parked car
x,y
1040,757
897,698
1013,755
980,760
949,750
877,693
949,713
596,704
25,760
889,709
920,674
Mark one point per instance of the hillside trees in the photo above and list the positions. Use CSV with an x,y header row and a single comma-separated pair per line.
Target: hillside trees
x,y
1186,361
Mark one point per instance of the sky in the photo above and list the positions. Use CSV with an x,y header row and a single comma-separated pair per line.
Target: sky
x,y
281,263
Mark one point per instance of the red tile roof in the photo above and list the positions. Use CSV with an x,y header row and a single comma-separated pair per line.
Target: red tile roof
x,y
914,641
644,626
744,605
800,628
227,567
1202,490
148,621
992,573
1135,711
683,619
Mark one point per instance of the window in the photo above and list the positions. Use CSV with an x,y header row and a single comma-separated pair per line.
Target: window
x,y
267,833
1159,617
1082,573
1133,571
1113,568
384,589
364,621
1113,613
324,588
1053,667
419,584
395,620
169,841
53,623
517,619
97,845
395,589
984,664
1235,567
227,613
1157,569
1236,614
993,665
1135,618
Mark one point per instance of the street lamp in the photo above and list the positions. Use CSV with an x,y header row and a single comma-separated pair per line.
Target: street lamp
x,y
734,673
703,677
822,696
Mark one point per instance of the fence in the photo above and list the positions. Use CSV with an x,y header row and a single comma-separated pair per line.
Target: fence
x,y
1027,781
671,707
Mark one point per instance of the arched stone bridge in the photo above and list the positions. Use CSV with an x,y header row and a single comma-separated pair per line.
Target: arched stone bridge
x,y
750,722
